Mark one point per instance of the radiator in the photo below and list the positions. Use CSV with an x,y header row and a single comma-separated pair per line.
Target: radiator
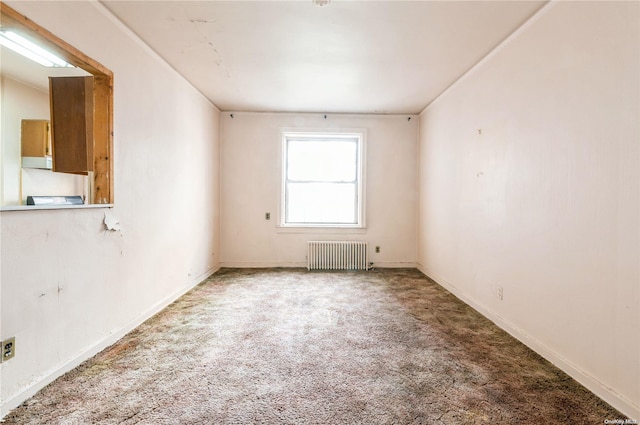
x,y
337,255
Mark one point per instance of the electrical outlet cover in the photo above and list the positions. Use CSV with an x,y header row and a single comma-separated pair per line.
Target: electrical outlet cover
x,y
8,348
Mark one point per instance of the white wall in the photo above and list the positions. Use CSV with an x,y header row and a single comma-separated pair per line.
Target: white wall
x,y
68,287
20,101
250,187
545,201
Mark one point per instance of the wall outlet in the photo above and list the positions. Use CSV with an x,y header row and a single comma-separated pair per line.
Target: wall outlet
x,y
499,293
8,349
267,216
377,250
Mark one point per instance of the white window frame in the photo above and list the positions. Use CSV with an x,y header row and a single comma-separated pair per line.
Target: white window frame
x,y
360,135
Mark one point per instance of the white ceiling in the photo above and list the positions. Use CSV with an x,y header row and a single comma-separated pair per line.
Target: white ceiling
x,y
348,56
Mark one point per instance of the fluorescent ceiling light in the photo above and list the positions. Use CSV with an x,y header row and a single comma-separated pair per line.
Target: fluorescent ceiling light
x,y
31,51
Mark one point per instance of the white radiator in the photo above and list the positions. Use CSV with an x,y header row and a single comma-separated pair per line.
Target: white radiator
x,y
337,255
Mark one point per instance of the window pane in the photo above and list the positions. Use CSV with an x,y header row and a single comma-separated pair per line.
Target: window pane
x,y
322,161
321,203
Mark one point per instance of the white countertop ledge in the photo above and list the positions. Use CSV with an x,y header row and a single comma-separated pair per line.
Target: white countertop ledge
x,y
53,207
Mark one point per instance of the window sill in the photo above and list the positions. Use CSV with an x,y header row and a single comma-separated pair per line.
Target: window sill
x,y
338,230
53,207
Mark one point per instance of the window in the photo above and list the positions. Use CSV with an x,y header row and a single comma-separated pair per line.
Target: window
x,y
322,179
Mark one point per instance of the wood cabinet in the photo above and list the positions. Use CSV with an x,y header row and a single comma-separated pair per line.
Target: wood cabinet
x,y
72,121
35,139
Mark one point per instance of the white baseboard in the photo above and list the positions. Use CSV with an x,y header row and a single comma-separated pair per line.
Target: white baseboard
x,y
262,264
394,265
110,339
270,264
618,401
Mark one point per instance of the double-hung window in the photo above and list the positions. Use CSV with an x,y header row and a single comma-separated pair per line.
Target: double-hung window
x,y
322,179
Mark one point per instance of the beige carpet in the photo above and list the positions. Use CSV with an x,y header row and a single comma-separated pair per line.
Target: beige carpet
x,y
287,346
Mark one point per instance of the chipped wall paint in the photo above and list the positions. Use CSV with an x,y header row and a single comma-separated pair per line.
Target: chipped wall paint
x,y
111,222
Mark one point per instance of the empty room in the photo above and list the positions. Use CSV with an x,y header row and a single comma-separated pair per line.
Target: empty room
x,y
320,211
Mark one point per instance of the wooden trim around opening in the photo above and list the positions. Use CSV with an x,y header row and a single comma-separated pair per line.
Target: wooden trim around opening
x,y
102,187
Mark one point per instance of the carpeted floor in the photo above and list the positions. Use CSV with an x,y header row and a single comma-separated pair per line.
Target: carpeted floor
x,y
287,346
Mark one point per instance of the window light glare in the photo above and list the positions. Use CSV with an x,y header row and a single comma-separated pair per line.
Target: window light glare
x,y
30,50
